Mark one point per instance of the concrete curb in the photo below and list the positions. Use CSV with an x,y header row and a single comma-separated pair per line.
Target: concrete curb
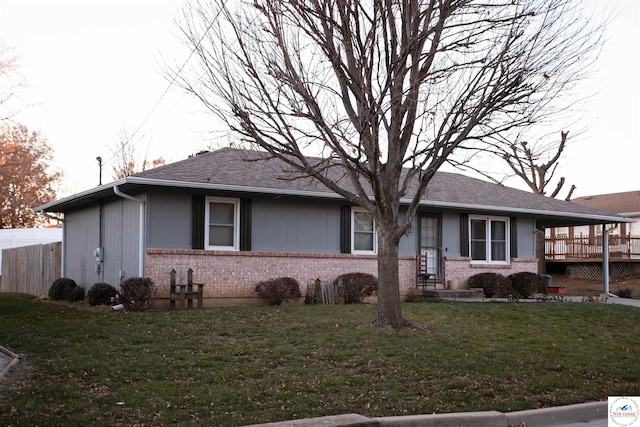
x,y
346,420
5,355
463,419
582,413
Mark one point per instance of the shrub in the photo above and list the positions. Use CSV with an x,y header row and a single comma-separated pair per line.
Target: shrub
x,y
62,289
277,291
625,293
101,293
136,293
528,284
356,286
493,284
77,294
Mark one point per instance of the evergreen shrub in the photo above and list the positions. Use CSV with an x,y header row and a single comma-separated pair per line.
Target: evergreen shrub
x,y
528,284
101,294
493,284
62,289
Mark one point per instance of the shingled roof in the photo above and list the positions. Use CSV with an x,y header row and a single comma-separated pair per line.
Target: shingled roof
x,y
627,203
255,172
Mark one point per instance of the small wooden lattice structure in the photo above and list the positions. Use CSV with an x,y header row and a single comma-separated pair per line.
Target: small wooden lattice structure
x,y
184,292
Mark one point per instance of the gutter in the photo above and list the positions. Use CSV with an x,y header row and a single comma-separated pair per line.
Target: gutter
x,y
601,218
331,195
119,193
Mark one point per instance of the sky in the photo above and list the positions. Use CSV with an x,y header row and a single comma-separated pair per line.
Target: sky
x,y
94,69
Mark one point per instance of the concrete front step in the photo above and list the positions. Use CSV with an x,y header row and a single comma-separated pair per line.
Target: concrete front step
x,y
441,294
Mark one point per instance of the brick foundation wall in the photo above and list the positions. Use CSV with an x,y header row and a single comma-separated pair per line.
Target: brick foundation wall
x,y
460,268
232,276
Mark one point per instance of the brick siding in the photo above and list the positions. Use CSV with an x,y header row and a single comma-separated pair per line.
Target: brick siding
x,y
233,275
230,276
460,268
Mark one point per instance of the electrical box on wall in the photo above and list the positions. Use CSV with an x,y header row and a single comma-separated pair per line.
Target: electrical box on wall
x,y
99,254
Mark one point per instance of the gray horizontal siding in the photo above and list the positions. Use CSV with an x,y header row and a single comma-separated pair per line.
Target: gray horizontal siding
x,y
295,225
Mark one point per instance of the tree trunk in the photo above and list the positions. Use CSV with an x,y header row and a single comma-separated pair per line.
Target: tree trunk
x,y
389,310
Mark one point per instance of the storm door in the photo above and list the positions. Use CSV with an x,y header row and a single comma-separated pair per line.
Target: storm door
x,y
431,243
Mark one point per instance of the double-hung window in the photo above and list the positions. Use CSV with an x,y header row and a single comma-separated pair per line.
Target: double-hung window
x,y
489,239
222,219
363,232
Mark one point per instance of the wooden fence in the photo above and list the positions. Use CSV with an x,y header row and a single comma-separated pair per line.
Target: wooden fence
x,y
31,269
588,247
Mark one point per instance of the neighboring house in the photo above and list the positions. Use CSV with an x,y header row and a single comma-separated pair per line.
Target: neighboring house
x,y
236,217
17,237
585,241
627,204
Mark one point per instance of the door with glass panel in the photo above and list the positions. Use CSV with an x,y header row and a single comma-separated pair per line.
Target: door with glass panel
x,y
431,244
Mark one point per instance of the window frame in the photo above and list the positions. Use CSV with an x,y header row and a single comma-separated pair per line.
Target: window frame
x,y
373,251
488,220
236,223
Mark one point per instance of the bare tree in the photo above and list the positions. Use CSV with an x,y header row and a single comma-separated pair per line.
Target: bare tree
x,y
126,159
8,84
536,163
26,178
387,89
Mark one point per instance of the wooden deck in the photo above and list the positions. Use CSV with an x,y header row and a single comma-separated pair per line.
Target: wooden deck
x,y
589,249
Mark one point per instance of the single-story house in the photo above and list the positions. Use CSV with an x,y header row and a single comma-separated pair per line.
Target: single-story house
x,y
236,217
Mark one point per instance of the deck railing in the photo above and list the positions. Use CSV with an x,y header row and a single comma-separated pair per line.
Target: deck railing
x,y
588,247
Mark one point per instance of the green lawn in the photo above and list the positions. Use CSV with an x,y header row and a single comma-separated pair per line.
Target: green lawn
x,y
236,366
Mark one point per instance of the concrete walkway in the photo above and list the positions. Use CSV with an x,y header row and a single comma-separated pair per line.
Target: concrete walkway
x,y
601,299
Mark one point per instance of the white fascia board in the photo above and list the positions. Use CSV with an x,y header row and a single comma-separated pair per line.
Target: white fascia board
x,y
602,218
80,195
324,195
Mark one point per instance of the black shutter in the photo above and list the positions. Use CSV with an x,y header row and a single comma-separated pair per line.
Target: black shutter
x,y
197,222
464,235
345,229
513,237
245,224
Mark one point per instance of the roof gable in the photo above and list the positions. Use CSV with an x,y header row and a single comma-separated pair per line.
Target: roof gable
x,y
621,203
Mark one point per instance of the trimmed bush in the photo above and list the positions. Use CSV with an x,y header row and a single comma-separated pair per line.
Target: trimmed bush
x,y
77,294
101,294
136,293
277,291
528,284
62,289
356,286
625,293
493,284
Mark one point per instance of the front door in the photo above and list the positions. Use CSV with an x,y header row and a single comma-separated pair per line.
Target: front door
x,y
431,243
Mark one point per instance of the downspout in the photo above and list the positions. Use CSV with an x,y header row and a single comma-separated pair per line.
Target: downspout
x,y
117,191
63,267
